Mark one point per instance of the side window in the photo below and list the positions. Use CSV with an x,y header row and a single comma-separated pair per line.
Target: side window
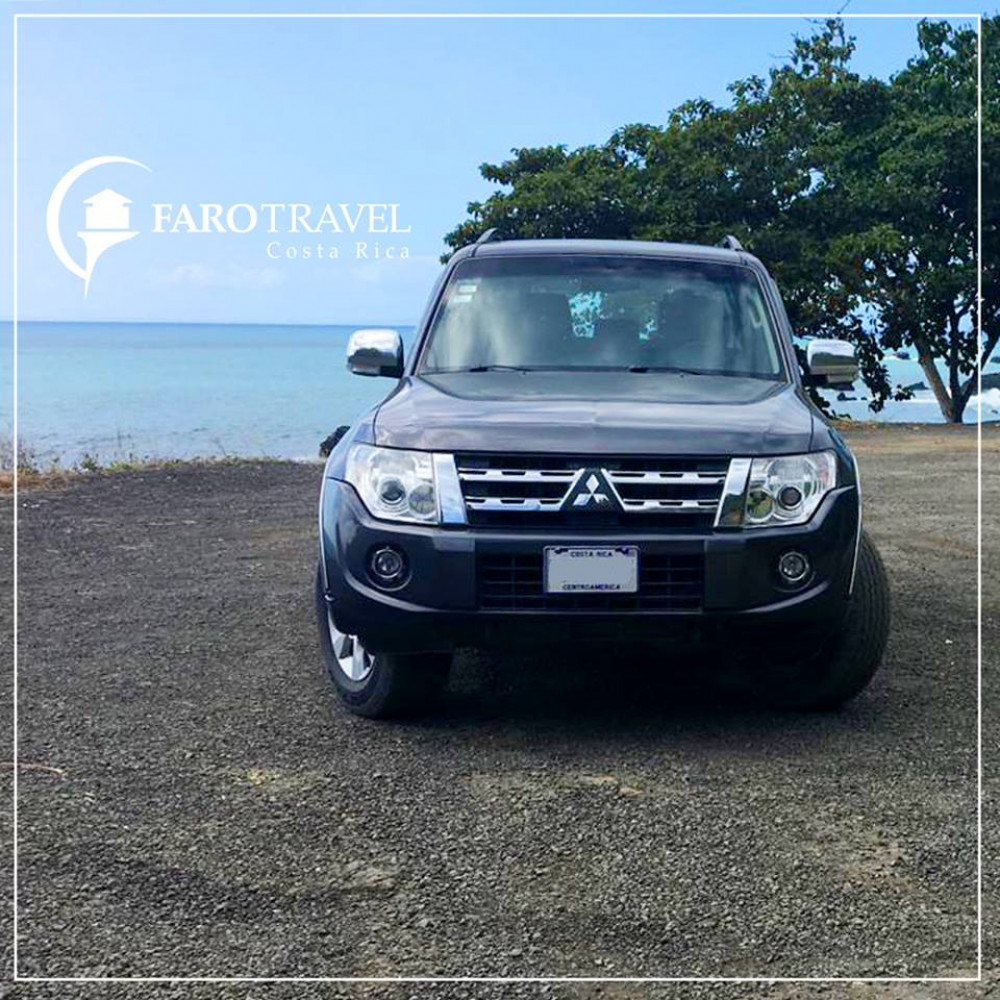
x,y
753,309
781,305
757,333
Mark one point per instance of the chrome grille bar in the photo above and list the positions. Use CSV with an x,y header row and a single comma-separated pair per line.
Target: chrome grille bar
x,y
697,478
671,505
520,475
514,503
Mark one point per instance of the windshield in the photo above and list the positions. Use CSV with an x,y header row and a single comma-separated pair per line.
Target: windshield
x,y
603,313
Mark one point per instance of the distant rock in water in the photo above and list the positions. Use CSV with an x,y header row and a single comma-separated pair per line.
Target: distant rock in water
x,y
903,355
330,441
916,387
842,397
991,381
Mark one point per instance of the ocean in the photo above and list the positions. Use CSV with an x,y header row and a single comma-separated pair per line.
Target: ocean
x,y
167,390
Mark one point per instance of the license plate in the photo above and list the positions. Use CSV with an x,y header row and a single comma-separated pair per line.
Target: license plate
x,y
576,569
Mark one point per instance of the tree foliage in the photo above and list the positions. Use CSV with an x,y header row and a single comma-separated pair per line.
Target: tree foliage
x,y
859,194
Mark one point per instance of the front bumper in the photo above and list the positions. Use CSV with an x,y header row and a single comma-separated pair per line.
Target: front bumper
x,y
439,606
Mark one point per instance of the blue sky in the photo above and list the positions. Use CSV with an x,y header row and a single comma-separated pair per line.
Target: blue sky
x,y
316,111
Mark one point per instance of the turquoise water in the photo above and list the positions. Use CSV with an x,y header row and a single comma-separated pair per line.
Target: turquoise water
x,y
114,390
180,390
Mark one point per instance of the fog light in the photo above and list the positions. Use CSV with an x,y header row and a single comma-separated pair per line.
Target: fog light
x,y
387,566
793,567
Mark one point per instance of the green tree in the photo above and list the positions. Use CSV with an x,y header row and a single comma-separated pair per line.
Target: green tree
x,y
839,183
915,185
763,169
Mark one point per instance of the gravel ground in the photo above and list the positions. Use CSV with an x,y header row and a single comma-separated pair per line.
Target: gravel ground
x,y
193,803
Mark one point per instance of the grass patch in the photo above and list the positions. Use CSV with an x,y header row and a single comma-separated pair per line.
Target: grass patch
x,y
35,472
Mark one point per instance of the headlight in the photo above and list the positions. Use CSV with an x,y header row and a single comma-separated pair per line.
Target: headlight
x,y
395,484
787,490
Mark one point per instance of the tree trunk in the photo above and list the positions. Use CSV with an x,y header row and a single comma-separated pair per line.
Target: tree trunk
x,y
958,407
934,381
954,377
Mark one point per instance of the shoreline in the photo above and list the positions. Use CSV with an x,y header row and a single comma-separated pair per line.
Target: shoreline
x,y
56,475
30,477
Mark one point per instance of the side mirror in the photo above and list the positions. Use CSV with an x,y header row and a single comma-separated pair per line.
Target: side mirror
x,y
375,352
831,364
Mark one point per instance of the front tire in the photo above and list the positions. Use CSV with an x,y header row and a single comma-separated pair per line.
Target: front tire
x,y
846,662
377,685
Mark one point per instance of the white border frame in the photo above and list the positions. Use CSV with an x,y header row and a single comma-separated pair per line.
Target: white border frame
x,y
817,16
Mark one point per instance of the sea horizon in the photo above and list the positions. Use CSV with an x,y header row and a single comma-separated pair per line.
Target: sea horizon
x,y
191,322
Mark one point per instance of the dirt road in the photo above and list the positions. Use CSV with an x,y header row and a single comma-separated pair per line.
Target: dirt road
x,y
193,803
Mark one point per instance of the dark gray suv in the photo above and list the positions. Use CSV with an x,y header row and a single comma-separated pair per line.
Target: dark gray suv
x,y
609,441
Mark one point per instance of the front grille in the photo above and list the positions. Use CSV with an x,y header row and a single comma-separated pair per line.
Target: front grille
x,y
513,582
670,494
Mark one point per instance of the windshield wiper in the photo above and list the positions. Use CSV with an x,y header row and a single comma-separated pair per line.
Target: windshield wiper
x,y
642,369
721,372
479,368
499,368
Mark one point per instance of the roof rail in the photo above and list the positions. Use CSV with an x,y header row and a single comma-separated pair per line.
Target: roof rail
x,y
729,242
490,236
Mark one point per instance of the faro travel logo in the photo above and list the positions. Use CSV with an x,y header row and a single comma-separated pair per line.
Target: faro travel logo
x,y
109,219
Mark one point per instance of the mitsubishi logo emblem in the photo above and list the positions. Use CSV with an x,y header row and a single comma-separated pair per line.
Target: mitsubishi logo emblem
x,y
591,491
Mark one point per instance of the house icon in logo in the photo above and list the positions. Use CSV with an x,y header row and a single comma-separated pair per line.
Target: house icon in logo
x,y
106,222
107,210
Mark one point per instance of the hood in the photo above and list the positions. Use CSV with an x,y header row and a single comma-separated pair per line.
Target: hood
x,y
653,413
